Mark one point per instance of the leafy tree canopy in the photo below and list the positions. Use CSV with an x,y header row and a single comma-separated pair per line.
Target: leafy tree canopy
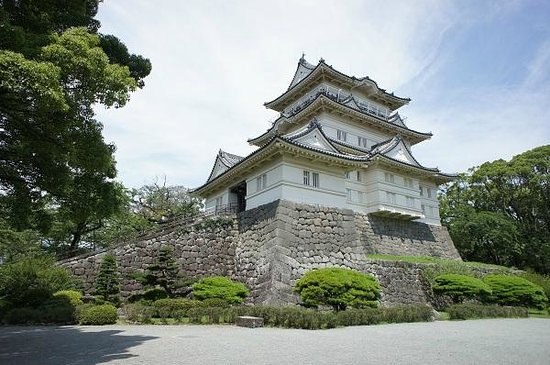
x,y
499,212
56,170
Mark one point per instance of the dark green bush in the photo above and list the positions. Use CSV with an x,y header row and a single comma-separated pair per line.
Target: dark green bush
x,y
148,295
31,281
220,287
52,312
460,287
338,288
23,315
97,314
473,311
174,308
515,291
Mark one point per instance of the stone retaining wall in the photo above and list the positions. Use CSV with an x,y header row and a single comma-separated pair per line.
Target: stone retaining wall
x,y
270,247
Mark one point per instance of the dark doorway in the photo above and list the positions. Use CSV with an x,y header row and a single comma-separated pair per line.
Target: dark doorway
x,y
240,192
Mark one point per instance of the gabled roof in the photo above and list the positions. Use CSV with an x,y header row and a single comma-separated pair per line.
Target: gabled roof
x,y
397,120
312,136
395,152
305,75
224,161
304,68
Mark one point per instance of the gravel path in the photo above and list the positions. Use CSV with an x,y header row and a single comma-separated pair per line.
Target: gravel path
x,y
499,341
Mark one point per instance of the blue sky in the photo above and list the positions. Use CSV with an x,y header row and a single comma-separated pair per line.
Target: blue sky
x,y
478,74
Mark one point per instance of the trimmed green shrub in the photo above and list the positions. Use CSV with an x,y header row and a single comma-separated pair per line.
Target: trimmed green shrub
x,y
174,308
149,295
32,281
138,313
97,314
74,297
474,311
541,280
515,291
220,287
107,281
338,288
54,312
460,287
296,317
215,302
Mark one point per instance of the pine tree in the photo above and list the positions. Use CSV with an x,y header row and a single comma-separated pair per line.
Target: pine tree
x,y
107,283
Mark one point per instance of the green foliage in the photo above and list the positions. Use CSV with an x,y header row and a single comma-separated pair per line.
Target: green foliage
x,y
541,280
460,287
215,302
139,313
475,311
338,288
515,291
164,274
174,308
31,281
499,212
294,317
149,295
57,171
59,310
220,287
107,281
97,314
74,297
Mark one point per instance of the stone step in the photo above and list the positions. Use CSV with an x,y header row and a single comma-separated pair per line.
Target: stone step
x,y
248,321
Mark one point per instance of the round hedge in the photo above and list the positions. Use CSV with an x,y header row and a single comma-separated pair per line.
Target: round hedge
x,y
72,296
97,314
515,291
220,287
339,288
460,287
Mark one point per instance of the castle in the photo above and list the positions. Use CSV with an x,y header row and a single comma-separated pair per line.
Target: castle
x,y
338,142
332,181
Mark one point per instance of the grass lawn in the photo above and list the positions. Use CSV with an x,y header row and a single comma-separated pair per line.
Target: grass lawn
x,y
432,260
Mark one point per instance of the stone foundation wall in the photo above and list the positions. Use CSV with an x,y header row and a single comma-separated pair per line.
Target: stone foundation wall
x,y
270,247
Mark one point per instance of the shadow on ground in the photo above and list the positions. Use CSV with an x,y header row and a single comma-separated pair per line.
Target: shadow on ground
x,y
65,345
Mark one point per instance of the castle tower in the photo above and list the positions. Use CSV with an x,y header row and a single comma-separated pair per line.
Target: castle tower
x,y
338,142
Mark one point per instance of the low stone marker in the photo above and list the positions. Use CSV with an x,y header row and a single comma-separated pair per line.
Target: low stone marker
x,y
248,321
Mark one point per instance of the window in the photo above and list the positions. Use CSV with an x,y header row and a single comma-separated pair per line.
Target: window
x,y
311,179
341,135
389,177
390,197
261,182
429,192
346,175
306,178
362,142
315,176
358,175
408,182
348,193
423,209
219,201
421,191
410,202
431,211
360,196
